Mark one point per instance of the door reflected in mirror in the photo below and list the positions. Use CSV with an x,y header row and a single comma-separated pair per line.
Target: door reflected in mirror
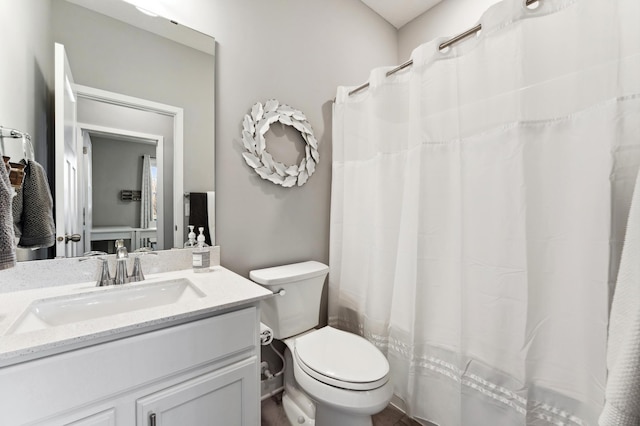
x,y
116,159
115,134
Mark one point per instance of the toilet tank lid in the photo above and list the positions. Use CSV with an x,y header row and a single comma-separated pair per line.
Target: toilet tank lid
x,y
288,273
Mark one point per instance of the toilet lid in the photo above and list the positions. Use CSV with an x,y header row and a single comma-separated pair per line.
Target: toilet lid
x,y
342,359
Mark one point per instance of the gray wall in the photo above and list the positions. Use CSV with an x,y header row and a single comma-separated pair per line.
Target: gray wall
x,y
297,52
116,165
448,18
26,81
26,74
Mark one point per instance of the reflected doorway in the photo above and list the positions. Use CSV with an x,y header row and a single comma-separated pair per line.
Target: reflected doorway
x,y
113,192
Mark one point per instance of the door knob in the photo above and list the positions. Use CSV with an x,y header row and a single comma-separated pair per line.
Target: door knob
x,y
73,237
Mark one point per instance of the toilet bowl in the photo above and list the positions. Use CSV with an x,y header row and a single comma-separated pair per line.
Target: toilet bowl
x,y
345,375
331,377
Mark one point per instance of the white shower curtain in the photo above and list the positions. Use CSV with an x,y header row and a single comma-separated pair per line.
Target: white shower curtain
x,y
146,205
479,200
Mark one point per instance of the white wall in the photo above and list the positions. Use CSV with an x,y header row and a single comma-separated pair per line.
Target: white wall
x,y
448,18
297,52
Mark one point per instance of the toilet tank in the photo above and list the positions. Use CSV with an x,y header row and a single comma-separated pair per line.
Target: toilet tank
x,y
297,308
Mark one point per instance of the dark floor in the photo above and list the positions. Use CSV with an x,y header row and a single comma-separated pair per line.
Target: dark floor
x,y
391,416
273,415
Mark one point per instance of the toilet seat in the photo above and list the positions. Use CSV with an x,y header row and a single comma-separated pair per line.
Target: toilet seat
x,y
341,359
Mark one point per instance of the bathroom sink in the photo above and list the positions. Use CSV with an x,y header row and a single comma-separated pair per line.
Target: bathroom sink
x,y
45,313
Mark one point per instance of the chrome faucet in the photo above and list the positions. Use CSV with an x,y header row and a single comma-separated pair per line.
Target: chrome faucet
x,y
122,275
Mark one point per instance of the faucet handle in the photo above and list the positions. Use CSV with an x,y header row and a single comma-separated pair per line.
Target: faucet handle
x,y
136,274
104,278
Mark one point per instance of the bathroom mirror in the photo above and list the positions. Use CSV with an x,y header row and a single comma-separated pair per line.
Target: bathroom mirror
x,y
114,49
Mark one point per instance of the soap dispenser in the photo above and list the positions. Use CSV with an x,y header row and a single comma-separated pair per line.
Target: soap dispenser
x,y
201,254
191,238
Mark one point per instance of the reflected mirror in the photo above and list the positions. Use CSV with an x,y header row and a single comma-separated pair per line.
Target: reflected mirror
x,y
144,96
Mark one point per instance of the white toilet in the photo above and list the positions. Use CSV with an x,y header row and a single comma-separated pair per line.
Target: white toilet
x,y
331,377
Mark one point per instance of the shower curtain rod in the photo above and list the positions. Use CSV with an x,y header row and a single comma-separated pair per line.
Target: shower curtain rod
x,y
444,45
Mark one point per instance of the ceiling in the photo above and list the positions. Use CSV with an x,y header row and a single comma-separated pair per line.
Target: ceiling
x,y
399,12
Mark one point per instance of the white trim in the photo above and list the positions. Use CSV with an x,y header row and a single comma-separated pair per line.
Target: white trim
x,y
59,149
63,201
178,183
178,136
128,135
125,100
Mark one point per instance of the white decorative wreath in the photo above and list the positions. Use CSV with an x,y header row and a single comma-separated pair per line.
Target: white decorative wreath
x,y
254,127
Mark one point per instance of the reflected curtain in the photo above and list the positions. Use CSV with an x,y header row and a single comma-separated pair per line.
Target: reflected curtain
x,y
479,200
146,205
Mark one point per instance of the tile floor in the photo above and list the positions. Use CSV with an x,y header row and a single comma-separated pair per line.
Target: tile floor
x,y
391,416
273,415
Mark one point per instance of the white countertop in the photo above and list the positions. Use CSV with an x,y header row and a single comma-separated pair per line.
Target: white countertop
x,y
223,291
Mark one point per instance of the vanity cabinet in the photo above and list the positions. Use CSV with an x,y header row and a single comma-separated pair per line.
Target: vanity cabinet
x,y
219,397
202,372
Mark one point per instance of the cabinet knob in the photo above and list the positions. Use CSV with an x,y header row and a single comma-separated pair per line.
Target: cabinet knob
x,y
152,419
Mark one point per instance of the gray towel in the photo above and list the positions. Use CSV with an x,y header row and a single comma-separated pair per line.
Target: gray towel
x,y
7,239
17,213
33,209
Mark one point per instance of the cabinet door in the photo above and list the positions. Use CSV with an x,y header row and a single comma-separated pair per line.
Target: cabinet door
x,y
226,397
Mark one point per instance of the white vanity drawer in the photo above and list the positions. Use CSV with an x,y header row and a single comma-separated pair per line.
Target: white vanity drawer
x,y
49,386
